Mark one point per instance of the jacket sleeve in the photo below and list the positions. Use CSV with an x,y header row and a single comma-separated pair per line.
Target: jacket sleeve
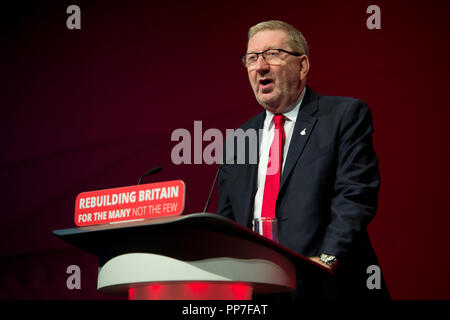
x,y
354,202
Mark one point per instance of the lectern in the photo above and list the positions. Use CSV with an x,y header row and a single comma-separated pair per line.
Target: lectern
x,y
194,256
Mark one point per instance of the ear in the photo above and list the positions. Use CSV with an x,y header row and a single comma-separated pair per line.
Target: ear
x,y
304,66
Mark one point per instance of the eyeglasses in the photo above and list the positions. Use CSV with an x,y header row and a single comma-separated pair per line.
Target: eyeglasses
x,y
270,56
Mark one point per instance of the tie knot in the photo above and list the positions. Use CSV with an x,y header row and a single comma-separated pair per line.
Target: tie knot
x,y
278,119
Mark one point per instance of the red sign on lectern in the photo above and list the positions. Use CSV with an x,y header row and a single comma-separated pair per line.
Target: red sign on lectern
x,y
130,203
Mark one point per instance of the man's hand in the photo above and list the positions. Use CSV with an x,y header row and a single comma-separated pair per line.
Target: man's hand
x,y
317,259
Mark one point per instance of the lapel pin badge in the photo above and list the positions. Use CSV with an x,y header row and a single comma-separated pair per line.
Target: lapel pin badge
x,y
303,132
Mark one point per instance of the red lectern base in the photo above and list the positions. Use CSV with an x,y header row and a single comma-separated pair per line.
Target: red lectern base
x,y
192,291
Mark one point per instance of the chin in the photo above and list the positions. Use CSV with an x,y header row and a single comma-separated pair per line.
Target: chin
x,y
270,105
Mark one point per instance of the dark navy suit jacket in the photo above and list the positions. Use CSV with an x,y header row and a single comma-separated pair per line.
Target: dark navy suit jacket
x,y
328,192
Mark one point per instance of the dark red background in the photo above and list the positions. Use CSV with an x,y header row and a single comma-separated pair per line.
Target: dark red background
x,y
95,108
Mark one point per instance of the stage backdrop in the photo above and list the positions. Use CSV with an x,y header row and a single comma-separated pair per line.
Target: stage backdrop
x,y
95,107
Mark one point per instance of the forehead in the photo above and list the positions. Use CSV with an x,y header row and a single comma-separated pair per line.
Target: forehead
x,y
268,39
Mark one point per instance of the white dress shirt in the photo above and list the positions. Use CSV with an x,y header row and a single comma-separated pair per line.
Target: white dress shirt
x,y
266,141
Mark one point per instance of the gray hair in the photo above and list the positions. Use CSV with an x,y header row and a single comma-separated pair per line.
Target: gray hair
x,y
296,40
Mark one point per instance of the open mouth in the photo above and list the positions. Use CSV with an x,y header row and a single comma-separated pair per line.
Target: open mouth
x,y
265,82
265,85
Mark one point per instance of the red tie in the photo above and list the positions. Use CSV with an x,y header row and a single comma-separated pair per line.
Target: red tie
x,y
273,176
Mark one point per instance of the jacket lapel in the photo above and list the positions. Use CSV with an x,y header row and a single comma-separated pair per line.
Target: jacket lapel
x,y
302,131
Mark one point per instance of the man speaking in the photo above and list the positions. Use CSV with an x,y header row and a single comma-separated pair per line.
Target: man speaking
x,y
322,185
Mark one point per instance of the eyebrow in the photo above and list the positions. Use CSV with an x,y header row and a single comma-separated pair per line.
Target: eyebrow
x,y
263,50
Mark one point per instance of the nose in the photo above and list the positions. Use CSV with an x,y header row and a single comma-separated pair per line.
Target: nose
x,y
261,65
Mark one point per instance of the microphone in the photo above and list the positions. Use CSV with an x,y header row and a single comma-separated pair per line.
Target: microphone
x,y
212,189
226,160
149,173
